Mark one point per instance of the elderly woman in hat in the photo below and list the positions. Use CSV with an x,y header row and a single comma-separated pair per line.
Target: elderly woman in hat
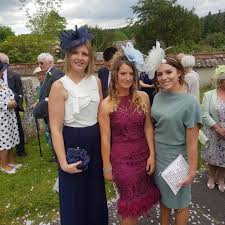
x,y
213,106
73,107
9,134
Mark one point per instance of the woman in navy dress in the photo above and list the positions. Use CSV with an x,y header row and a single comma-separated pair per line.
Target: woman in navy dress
x,y
147,85
73,106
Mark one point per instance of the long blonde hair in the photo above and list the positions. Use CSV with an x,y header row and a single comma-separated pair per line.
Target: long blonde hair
x,y
90,68
120,59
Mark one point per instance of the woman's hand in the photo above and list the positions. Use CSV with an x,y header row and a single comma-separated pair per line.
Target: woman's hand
x,y
11,104
150,167
71,168
220,132
187,180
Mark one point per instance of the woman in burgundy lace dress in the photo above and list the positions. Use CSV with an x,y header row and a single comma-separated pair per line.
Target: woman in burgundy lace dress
x,y
127,142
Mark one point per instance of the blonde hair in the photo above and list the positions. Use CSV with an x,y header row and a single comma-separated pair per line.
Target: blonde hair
x,y
90,68
120,59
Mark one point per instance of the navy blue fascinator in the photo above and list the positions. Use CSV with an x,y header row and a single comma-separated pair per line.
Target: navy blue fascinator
x,y
73,38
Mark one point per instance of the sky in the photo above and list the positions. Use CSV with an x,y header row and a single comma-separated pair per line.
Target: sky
x,y
103,13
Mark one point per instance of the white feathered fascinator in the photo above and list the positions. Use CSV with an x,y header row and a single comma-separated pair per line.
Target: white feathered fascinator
x,y
134,55
155,57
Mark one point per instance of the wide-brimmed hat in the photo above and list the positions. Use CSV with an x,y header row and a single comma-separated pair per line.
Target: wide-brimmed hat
x,y
3,66
37,70
219,73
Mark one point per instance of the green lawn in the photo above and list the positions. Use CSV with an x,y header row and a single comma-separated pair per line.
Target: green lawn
x,y
28,194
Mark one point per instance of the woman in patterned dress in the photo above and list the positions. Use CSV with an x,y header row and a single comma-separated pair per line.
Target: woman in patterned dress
x,y
213,106
9,136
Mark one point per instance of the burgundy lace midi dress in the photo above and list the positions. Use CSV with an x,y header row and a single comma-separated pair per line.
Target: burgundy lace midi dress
x,y
129,154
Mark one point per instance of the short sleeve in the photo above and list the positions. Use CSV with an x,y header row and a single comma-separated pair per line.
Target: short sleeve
x,y
192,115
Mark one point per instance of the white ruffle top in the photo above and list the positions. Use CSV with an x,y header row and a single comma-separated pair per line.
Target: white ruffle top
x,y
81,107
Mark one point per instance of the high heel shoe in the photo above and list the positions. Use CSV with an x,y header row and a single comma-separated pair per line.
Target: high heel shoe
x,y
12,171
16,166
221,187
210,185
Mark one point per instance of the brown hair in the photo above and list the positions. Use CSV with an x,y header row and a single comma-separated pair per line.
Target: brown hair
x,y
119,60
174,62
90,68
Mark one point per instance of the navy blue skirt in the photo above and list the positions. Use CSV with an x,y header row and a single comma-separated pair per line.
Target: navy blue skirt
x,y
82,195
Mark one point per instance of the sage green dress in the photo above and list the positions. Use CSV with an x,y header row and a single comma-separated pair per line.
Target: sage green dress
x,y
172,114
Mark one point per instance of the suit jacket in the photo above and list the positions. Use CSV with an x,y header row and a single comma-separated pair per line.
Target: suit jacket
x,y
15,84
210,115
41,109
103,75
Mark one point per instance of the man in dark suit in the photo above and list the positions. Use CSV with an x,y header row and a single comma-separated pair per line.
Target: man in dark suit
x,y
104,73
13,81
46,63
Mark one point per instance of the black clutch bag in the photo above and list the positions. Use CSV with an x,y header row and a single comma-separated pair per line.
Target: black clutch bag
x,y
74,155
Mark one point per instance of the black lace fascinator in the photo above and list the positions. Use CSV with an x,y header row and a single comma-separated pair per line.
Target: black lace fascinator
x,y
3,66
73,38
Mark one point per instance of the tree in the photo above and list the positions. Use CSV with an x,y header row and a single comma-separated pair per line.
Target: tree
x,y
5,32
51,24
216,40
26,47
102,38
213,23
46,11
119,35
166,21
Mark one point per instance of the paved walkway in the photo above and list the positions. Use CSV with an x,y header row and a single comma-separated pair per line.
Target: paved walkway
x,y
207,208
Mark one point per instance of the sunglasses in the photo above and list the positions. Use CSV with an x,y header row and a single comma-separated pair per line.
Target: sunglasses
x,y
40,63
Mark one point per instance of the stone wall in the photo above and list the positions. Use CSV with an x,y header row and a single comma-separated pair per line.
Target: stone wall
x,y
26,69
28,121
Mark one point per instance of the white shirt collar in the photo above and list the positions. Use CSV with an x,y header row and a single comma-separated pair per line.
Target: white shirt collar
x,y
5,77
49,69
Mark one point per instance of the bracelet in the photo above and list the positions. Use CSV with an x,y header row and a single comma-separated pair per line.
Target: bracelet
x,y
107,170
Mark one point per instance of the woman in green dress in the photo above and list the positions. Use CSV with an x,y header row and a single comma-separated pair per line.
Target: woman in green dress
x,y
176,115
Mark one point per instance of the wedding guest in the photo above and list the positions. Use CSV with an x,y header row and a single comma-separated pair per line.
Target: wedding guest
x,y
9,134
127,142
52,74
104,73
180,56
191,77
13,81
46,63
176,115
147,85
73,106
41,74
213,106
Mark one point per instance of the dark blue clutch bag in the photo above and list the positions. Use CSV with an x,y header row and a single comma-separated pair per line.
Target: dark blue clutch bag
x,y
78,154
